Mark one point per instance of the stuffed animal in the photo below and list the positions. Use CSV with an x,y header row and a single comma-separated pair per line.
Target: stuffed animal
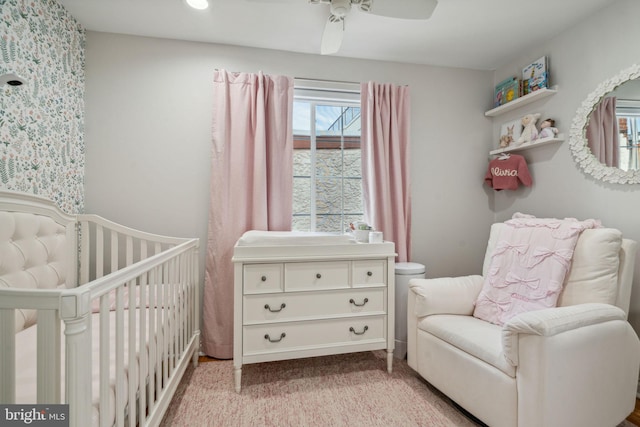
x,y
507,139
529,130
547,129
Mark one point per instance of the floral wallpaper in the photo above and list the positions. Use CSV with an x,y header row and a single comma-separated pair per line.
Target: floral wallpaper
x,y
41,122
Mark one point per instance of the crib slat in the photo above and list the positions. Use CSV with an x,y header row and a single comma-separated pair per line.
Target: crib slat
x,y
166,332
171,315
143,249
179,301
8,356
142,352
196,296
129,251
84,252
114,251
99,251
104,361
176,312
131,335
48,357
177,298
188,301
120,400
159,329
152,334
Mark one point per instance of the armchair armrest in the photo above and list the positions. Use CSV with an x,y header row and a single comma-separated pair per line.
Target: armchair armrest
x,y
553,321
446,295
570,357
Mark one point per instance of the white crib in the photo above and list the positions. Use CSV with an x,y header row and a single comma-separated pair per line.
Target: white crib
x,y
93,314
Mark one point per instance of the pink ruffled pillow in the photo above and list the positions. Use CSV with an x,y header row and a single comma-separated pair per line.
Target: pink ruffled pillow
x,y
528,266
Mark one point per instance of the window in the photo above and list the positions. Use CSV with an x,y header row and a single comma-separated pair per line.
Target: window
x,y
629,138
327,181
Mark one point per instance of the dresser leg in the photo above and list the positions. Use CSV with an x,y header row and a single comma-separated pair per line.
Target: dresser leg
x,y
237,374
389,361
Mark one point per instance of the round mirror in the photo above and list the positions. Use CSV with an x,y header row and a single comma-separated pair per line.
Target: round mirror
x,y
605,133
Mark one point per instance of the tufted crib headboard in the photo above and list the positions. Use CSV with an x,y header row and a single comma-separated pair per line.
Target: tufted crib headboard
x,y
38,248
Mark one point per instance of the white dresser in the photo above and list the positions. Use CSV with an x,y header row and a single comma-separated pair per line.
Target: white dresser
x,y
303,295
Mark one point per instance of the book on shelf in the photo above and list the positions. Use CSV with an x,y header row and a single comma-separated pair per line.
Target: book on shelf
x,y
506,91
535,75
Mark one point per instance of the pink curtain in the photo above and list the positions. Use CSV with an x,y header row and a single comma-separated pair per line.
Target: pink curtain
x,y
251,184
602,132
385,114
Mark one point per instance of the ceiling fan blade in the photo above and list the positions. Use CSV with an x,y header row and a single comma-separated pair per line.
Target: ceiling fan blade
x,y
405,9
332,36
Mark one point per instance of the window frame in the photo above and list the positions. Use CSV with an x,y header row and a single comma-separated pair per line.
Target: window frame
x,y
320,92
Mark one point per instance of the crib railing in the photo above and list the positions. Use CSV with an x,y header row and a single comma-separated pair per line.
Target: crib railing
x,y
142,290
107,246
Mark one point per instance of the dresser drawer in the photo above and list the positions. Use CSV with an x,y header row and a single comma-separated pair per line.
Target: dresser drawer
x,y
262,278
369,273
309,276
312,305
264,339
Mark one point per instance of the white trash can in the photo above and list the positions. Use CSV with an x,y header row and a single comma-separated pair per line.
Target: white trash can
x,y
405,271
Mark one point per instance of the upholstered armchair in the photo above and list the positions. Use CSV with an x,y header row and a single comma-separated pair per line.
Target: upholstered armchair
x,y
575,364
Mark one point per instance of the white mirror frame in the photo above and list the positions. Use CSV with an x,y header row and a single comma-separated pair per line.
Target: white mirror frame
x,y
578,140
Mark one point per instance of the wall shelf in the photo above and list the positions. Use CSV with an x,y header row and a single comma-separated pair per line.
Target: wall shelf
x,y
519,102
537,143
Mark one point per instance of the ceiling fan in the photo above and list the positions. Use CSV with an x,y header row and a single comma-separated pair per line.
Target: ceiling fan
x,y
339,9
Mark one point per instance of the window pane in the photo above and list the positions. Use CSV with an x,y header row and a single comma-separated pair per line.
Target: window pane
x,y
329,196
353,202
301,118
329,162
301,195
326,118
353,162
329,223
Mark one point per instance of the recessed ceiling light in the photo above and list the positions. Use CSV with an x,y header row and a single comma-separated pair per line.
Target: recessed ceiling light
x,y
198,4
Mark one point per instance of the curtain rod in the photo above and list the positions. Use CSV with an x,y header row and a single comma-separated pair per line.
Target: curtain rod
x,y
327,80
303,78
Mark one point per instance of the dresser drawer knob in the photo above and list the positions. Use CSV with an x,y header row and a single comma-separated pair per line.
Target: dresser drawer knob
x,y
366,328
369,273
277,310
263,278
282,335
318,276
366,300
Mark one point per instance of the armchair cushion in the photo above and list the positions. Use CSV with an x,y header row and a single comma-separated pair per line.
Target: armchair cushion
x,y
593,276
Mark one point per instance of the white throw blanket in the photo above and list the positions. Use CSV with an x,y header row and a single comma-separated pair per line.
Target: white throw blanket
x,y
528,266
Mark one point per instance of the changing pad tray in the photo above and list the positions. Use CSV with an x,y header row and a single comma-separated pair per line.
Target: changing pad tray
x,y
292,238
270,246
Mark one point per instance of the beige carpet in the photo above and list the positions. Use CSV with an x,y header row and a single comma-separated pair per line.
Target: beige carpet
x,y
352,390
344,390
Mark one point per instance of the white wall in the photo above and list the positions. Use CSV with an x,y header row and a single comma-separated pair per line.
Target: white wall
x,y
581,58
148,120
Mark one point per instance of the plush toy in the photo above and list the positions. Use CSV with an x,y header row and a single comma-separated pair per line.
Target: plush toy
x,y
547,129
529,130
507,139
